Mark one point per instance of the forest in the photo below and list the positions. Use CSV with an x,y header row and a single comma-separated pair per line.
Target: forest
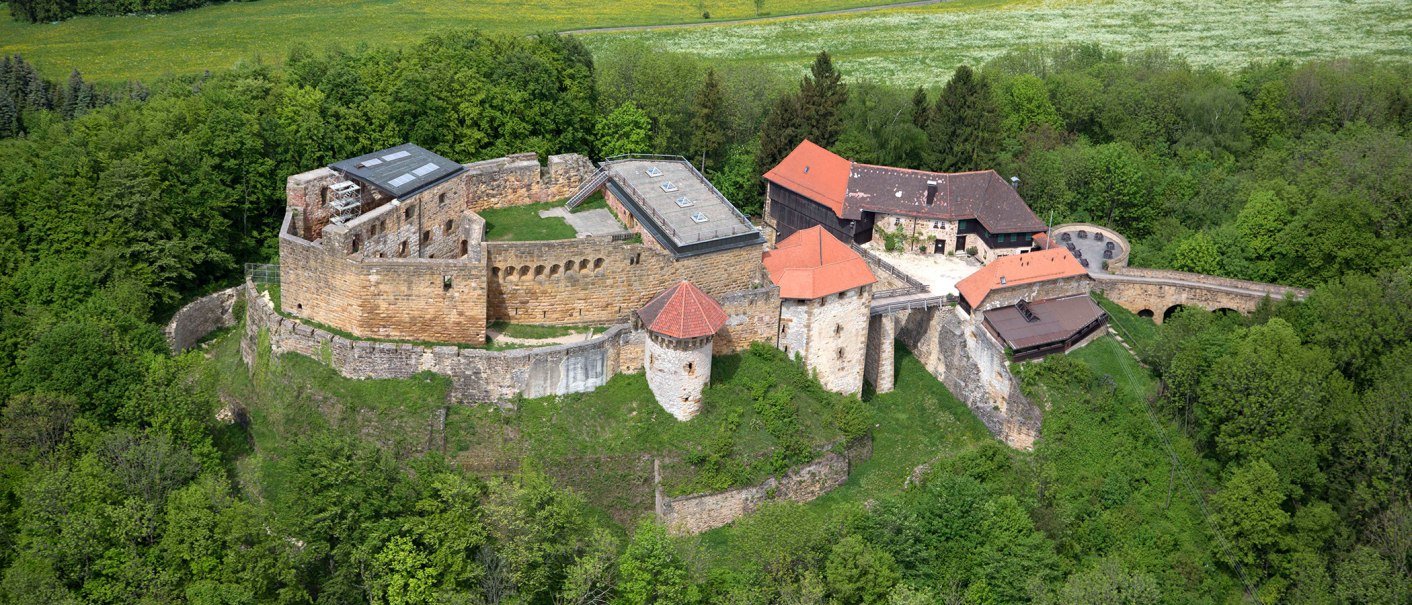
x,y
37,11
118,203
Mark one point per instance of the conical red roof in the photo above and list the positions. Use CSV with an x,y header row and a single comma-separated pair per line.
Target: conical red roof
x,y
683,311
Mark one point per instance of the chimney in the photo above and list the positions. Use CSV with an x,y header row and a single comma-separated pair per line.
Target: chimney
x,y
1015,182
931,192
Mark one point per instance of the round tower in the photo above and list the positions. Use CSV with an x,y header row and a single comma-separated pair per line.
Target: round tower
x,y
681,323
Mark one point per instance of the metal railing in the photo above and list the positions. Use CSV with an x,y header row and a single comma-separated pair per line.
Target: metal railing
x,y
914,286
716,233
265,274
907,304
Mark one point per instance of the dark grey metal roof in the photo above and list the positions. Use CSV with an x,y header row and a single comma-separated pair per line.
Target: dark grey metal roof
x,y
982,195
401,171
677,205
1054,321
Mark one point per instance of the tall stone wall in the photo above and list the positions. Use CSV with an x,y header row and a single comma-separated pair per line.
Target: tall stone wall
x,y
879,367
974,368
831,334
477,375
434,300
519,179
601,280
677,371
202,316
751,315
697,513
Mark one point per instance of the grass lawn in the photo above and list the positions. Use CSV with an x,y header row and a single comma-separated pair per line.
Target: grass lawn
x,y
217,37
523,224
1139,332
533,332
1114,492
922,46
916,423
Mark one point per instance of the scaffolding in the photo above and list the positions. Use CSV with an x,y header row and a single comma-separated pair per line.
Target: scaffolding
x,y
347,201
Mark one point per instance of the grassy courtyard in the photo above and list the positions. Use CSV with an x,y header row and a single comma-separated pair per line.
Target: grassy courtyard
x,y
216,37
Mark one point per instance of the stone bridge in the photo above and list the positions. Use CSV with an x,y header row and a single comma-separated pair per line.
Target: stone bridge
x,y
1158,293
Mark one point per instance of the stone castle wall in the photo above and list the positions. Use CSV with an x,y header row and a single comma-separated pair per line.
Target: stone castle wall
x,y
477,375
697,513
1045,290
520,179
831,334
434,300
202,316
600,280
974,368
751,315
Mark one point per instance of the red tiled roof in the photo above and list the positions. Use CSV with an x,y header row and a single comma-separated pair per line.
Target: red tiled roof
x,y
814,172
849,189
683,311
812,263
1017,269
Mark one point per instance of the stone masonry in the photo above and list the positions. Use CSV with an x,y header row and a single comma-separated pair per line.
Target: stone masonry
x,y
678,370
831,334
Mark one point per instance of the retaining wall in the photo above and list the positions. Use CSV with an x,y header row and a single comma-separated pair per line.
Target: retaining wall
x,y
974,368
701,512
201,317
477,375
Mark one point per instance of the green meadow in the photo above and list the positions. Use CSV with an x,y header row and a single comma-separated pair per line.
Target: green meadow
x,y
215,37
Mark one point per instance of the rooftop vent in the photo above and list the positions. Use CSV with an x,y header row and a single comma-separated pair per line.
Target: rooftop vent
x,y
669,186
1002,280
654,171
806,170
685,202
699,217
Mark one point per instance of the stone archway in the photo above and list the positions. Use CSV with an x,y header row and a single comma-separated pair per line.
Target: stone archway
x,y
1145,314
1172,310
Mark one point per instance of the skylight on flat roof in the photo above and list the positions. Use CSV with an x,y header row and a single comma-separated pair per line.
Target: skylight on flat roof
x,y
699,217
402,180
669,186
396,156
370,163
654,171
425,169
685,202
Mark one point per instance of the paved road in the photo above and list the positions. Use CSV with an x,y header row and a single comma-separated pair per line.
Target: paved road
x,y
841,11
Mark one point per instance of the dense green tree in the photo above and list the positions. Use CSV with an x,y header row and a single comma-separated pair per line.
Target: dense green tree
x,y
857,572
965,124
650,570
1197,254
625,130
1117,189
1247,511
1025,103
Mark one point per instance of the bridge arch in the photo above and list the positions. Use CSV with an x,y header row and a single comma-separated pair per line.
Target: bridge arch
x,y
1172,310
1146,313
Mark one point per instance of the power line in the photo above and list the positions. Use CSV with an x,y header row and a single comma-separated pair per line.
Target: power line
x,y
1186,477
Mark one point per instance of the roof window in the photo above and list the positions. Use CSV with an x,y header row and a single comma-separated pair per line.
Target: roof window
x,y
654,171
699,217
685,202
669,186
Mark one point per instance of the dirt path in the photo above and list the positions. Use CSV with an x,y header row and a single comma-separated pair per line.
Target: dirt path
x,y
839,11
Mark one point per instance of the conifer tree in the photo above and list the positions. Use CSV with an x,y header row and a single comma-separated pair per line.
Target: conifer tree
x,y
965,124
780,132
822,95
921,111
708,133
73,90
9,117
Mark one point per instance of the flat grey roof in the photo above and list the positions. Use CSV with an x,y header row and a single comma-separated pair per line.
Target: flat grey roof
x,y
401,171
657,185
